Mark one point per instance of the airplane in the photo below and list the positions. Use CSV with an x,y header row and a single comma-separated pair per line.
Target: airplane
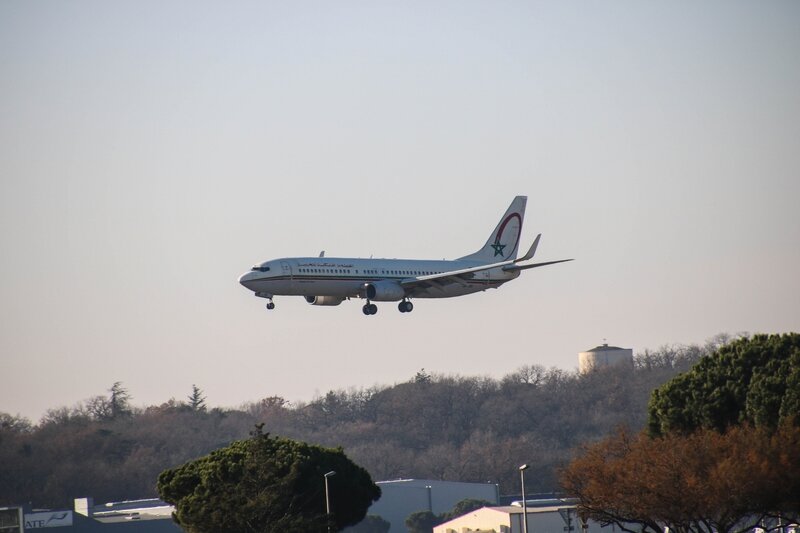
x,y
329,281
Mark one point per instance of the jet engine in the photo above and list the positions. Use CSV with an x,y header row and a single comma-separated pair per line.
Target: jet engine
x,y
324,300
384,291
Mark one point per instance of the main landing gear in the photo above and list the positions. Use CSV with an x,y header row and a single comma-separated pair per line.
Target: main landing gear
x,y
370,308
405,306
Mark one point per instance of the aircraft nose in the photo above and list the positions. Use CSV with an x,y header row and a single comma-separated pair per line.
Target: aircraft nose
x,y
246,279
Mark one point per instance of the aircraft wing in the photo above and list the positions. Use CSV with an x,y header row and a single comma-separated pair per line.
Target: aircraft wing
x,y
464,274
451,274
454,275
439,281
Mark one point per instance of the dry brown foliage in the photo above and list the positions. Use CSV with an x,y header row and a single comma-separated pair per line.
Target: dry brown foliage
x,y
726,482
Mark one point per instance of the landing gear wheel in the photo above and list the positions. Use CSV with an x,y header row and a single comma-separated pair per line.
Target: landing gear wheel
x,y
369,309
270,306
365,309
405,307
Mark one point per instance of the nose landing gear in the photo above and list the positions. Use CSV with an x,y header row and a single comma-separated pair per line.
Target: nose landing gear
x,y
270,303
369,308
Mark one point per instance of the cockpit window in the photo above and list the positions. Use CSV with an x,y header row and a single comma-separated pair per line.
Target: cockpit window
x,y
260,268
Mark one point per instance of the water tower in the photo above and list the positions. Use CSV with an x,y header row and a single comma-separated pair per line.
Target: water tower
x,y
604,356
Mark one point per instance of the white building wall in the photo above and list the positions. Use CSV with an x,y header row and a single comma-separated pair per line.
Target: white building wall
x,y
485,520
509,520
604,356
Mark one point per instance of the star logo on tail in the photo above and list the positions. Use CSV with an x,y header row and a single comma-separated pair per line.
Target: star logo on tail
x,y
498,248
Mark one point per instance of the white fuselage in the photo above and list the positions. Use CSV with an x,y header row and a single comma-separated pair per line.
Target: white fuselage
x,y
329,281
347,277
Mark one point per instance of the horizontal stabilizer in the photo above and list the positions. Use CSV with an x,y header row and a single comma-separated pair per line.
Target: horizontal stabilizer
x,y
511,268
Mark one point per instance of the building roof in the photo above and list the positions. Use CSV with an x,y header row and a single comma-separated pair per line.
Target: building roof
x,y
428,482
513,509
148,513
148,509
605,348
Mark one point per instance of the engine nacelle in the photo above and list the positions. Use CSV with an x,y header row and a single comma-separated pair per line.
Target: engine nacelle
x,y
384,291
324,300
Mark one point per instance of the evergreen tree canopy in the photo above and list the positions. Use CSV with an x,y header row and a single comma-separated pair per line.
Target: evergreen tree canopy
x,y
754,380
425,521
370,524
463,507
422,522
197,401
267,484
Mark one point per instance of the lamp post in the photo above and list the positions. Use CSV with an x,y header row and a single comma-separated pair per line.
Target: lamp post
x,y
522,470
328,500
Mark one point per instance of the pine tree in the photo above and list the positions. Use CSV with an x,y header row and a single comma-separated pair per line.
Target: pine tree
x,y
196,400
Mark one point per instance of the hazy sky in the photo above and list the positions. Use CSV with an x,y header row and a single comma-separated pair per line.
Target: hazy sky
x,y
150,152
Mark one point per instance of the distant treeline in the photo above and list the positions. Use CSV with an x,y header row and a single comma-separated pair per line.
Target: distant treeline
x,y
433,426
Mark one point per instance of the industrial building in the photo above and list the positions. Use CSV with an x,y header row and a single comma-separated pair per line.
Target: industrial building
x,y
399,499
139,516
547,516
403,497
544,516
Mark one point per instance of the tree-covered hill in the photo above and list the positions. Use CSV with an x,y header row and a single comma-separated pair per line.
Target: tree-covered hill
x,y
721,451
432,426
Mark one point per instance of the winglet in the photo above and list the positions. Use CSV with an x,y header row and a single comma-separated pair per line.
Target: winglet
x,y
532,250
322,253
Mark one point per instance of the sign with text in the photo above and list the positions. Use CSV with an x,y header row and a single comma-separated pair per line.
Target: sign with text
x,y
48,519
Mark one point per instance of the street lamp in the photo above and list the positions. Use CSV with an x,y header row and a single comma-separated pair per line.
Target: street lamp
x,y
328,499
522,470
